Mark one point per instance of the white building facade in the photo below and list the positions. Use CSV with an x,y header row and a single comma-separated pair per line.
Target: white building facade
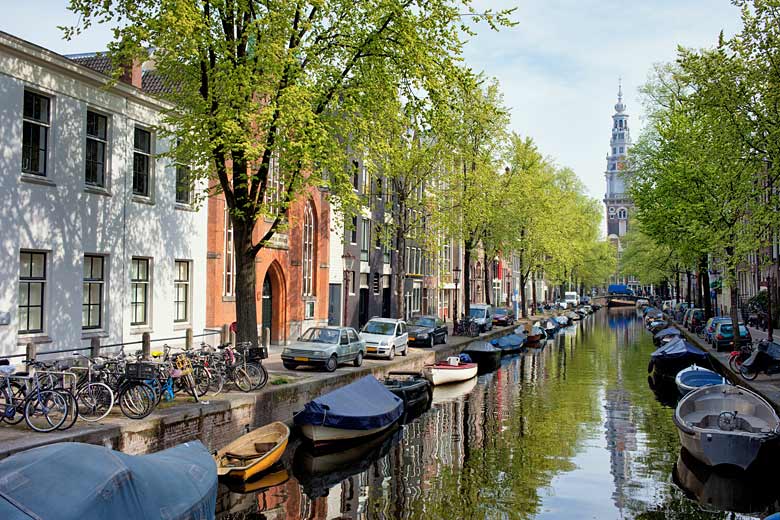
x,y
100,236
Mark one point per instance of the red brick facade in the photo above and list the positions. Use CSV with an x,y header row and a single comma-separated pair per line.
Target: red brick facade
x,y
282,262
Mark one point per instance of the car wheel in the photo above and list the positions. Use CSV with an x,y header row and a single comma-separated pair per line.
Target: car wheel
x,y
332,363
444,339
358,359
406,350
431,342
289,366
391,355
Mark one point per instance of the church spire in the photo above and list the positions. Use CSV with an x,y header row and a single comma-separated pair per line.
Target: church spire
x,y
620,107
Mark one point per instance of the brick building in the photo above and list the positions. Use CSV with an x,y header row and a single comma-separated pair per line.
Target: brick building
x,y
292,271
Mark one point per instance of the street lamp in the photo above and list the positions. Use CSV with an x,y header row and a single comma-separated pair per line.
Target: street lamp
x,y
456,280
348,260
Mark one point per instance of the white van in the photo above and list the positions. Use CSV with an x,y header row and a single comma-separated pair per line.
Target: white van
x,y
572,298
482,315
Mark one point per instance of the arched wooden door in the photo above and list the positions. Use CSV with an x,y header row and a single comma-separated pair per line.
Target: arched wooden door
x,y
268,306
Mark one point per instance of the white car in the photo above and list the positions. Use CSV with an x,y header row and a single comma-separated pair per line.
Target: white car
x,y
385,337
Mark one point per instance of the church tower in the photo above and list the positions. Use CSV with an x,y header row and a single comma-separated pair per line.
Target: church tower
x,y
616,199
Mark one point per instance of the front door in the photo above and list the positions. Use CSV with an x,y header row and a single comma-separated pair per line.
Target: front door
x,y
334,304
267,308
363,308
386,302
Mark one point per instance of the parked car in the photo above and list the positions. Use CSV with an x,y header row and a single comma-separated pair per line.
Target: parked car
x,y
724,335
326,347
385,337
482,314
503,316
426,331
709,327
695,319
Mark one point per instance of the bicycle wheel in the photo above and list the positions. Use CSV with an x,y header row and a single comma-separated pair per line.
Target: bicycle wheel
x,y
217,382
258,375
73,409
137,400
241,379
202,379
17,397
45,410
95,401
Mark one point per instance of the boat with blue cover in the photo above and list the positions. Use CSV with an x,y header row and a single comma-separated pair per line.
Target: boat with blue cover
x,y
509,344
360,409
668,332
76,481
674,356
486,355
695,377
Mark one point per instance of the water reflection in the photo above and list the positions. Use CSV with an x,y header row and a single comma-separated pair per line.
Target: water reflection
x,y
571,430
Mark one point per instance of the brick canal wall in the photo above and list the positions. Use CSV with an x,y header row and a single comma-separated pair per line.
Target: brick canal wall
x,y
228,416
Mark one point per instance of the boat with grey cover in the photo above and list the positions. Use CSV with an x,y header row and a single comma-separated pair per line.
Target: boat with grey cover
x,y
726,425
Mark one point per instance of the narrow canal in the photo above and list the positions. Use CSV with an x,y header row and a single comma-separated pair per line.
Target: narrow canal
x,y
570,431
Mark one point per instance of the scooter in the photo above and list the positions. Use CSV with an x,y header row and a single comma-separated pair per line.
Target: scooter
x,y
765,359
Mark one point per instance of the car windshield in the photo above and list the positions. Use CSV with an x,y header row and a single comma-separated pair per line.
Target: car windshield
x,y
477,313
379,327
423,322
330,336
501,312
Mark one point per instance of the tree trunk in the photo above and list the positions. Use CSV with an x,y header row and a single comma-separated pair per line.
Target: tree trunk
x,y
688,286
734,295
246,284
523,280
705,282
400,274
488,279
677,297
466,278
533,292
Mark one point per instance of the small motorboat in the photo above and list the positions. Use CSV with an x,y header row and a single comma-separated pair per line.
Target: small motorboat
x,y
509,344
674,356
550,327
668,332
254,452
487,356
725,425
693,377
412,387
657,326
180,482
573,316
563,321
536,335
450,371
360,409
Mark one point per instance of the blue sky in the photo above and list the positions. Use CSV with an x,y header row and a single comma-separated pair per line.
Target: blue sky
x,y
558,67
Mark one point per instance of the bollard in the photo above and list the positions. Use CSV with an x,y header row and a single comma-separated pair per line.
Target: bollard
x,y
188,338
266,338
94,347
146,346
31,352
224,334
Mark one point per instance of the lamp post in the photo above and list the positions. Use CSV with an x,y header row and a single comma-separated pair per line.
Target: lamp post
x,y
456,280
348,260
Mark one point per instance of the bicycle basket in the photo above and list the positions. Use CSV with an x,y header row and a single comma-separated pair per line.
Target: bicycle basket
x,y
141,370
255,353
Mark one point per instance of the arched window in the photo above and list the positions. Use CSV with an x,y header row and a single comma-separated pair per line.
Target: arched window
x,y
622,214
308,251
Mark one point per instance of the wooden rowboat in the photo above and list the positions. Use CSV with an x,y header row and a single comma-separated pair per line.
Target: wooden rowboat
x,y
254,452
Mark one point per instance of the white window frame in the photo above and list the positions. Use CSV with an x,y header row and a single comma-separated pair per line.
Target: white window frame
x,y
365,239
29,279
90,280
229,263
45,125
187,183
308,251
184,283
99,183
149,155
137,283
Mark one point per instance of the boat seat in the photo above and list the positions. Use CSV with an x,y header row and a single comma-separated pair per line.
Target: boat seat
x,y
706,419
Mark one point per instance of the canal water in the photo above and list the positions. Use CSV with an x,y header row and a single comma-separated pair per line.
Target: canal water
x,y
573,430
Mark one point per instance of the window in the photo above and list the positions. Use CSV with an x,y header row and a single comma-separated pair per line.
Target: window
x,y
408,258
274,186
351,282
446,258
416,297
378,237
308,251
142,155
139,291
35,133
181,284
95,160
614,150
621,149
32,281
355,174
365,239
365,181
386,248
183,184
622,213
353,231
378,191
92,299
308,310
229,282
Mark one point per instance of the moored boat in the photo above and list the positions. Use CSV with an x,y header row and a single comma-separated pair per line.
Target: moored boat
x,y
253,452
674,356
536,335
450,371
487,356
668,332
693,377
76,481
360,409
509,344
726,425
563,321
412,387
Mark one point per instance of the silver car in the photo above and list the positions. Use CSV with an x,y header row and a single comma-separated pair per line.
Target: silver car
x,y
325,347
